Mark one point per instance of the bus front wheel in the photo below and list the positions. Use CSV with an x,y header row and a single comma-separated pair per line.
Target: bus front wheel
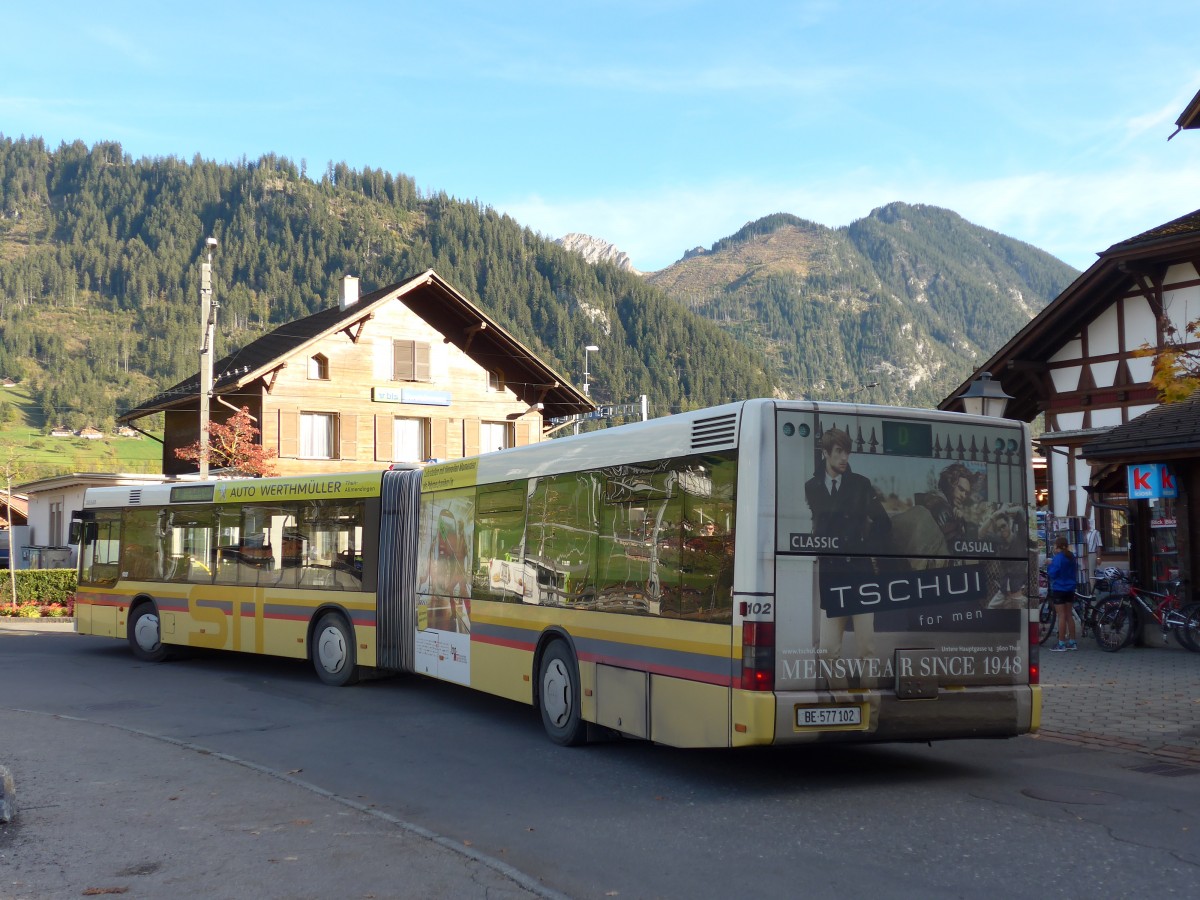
x,y
145,634
333,653
558,696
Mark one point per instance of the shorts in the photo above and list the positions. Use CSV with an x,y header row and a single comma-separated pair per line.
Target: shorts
x,y
1057,597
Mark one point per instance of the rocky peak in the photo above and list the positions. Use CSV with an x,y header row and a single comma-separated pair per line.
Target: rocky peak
x,y
595,250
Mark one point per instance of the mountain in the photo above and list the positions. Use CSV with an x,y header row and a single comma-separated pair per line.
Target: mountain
x,y
99,272
99,278
897,307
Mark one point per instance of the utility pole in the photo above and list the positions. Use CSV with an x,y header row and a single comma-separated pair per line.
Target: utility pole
x,y
11,471
208,334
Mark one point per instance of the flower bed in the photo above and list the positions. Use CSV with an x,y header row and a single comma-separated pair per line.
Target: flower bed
x,y
39,610
46,593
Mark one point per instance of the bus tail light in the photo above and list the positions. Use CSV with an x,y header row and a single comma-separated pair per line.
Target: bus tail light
x,y
758,656
1035,669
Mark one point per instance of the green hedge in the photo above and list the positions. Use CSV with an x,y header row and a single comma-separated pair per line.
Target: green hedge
x,y
38,585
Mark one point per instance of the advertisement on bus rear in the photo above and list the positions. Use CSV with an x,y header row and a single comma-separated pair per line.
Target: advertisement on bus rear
x,y
908,535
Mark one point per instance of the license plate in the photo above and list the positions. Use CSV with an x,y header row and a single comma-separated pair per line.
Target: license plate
x,y
824,716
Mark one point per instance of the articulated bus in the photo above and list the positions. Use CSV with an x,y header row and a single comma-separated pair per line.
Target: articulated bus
x,y
763,572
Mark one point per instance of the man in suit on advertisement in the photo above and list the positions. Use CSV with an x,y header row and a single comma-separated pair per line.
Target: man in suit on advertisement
x,y
846,509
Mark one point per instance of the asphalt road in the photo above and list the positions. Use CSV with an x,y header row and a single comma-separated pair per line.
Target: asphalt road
x,y
200,774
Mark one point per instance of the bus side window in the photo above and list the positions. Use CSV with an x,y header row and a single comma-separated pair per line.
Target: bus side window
x,y
140,546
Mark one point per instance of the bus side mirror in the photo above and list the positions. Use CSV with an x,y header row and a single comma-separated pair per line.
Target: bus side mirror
x,y
75,533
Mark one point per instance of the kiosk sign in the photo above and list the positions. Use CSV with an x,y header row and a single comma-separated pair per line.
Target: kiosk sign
x,y
1152,481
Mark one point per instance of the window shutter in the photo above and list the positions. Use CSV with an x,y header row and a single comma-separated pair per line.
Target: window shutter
x,y
437,439
421,370
348,428
402,366
528,432
383,438
470,437
289,433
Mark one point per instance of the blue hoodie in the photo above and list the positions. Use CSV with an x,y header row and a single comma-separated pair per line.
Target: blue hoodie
x,y
1062,572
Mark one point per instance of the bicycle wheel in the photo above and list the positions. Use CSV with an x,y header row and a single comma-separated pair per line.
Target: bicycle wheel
x,y
1188,634
1115,621
1046,621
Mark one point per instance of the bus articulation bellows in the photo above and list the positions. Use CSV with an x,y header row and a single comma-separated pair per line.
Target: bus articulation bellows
x,y
764,572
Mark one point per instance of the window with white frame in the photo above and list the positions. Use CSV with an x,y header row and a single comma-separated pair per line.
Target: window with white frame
x,y
318,367
494,436
409,439
318,435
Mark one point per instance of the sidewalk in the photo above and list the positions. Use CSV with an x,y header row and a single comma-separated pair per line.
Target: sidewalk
x,y
44,625
119,812
1144,699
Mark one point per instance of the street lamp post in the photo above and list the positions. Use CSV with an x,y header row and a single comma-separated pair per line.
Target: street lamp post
x,y
985,397
590,348
208,333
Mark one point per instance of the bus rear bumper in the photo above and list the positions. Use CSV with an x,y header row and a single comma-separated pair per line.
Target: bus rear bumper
x,y
873,715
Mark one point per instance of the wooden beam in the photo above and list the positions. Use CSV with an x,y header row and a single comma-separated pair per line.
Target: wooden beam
x,y
471,332
356,333
270,383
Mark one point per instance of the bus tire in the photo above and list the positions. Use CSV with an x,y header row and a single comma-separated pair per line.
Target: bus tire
x,y
332,651
558,696
144,631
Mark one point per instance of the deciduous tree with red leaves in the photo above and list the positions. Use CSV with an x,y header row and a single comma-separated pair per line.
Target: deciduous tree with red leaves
x,y
233,445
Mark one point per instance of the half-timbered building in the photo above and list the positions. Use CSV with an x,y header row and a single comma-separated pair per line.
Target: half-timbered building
x,y
1083,363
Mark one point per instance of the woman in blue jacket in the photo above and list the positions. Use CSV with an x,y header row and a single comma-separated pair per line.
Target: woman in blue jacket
x,y
1062,572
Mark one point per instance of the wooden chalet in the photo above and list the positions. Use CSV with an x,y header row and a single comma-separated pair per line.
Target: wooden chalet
x,y
407,373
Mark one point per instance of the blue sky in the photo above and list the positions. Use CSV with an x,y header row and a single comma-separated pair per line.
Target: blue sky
x,y
658,125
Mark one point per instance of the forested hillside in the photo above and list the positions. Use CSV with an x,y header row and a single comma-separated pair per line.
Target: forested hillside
x,y
99,271
910,299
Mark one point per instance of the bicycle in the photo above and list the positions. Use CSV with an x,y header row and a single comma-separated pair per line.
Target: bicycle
x,y
1120,619
1086,607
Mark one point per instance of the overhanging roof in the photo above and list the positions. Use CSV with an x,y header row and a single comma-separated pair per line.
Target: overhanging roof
x,y
460,322
1019,365
1189,118
1169,431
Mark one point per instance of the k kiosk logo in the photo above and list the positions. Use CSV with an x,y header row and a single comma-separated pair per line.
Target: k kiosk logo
x,y
1152,481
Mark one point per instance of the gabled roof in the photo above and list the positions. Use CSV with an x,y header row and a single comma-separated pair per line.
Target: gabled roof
x,y
18,503
430,297
1169,431
1019,365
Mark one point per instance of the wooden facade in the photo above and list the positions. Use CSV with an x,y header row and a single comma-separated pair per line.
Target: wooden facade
x,y
410,373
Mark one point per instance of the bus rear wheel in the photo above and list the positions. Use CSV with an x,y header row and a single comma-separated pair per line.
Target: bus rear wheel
x,y
558,696
332,651
145,634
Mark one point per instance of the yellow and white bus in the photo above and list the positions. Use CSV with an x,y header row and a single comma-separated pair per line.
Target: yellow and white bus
x,y
764,572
